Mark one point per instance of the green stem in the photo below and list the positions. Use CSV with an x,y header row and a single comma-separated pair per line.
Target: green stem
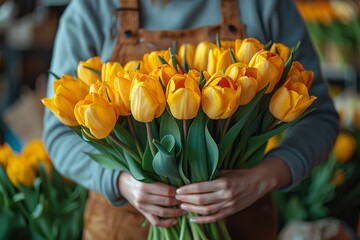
x,y
226,127
185,128
126,148
223,230
133,133
150,138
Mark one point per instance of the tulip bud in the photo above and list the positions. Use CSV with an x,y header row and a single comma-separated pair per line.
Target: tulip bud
x,y
270,66
219,59
132,65
68,91
190,53
96,114
183,96
201,55
297,73
163,72
344,147
282,50
110,70
5,154
245,77
247,49
290,101
147,99
85,70
220,97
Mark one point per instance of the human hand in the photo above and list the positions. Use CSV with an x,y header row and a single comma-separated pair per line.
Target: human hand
x,y
233,191
153,200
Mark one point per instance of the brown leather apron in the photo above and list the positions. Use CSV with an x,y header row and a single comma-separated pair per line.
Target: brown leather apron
x,y
103,221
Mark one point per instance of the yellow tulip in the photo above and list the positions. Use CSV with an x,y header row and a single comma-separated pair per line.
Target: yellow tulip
x,y
34,152
344,147
68,91
183,96
201,55
338,177
112,96
19,172
220,97
245,77
270,66
272,143
227,44
151,60
5,154
122,85
163,72
111,70
87,75
147,99
195,75
219,59
190,53
132,65
96,114
290,101
297,73
246,49
282,50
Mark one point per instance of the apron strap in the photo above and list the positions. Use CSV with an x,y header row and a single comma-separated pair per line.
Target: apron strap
x,y
129,20
230,25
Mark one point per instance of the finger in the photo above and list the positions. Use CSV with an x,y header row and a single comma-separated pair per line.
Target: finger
x,y
156,221
212,218
157,200
162,211
202,199
159,189
202,187
201,209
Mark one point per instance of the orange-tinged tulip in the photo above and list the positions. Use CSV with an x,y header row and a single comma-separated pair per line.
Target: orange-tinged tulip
x,y
344,147
112,96
246,49
245,77
111,70
219,59
5,154
87,75
147,99
281,49
195,75
19,172
183,96
338,177
270,66
220,97
96,114
201,55
297,73
227,44
190,53
68,91
290,101
163,72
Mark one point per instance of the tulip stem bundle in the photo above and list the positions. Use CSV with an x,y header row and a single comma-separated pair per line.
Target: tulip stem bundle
x,y
215,112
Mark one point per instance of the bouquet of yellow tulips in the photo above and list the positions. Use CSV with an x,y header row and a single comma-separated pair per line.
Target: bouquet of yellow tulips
x,y
35,201
178,116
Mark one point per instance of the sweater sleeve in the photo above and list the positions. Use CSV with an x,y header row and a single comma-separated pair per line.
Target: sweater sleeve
x,y
309,141
78,38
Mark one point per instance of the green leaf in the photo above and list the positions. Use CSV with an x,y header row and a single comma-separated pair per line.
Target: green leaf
x,y
241,116
196,149
93,70
18,197
212,154
136,169
233,58
107,161
164,162
169,126
39,209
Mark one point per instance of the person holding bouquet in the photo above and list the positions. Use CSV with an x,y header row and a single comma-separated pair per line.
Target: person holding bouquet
x,y
124,30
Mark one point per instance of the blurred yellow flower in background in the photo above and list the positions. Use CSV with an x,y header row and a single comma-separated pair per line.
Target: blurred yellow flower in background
x,y
344,147
201,55
5,154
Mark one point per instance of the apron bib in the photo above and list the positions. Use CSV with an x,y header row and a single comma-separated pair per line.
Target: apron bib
x,y
102,221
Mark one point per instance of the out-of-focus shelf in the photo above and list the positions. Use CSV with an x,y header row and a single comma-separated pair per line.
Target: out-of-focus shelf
x,y
345,74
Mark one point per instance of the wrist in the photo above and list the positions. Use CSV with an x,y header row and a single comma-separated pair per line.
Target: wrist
x,y
275,171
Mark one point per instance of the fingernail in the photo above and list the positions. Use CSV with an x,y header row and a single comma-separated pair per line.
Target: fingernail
x,y
177,197
178,191
192,220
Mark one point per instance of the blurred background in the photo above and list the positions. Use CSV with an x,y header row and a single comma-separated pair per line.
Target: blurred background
x,y
329,199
